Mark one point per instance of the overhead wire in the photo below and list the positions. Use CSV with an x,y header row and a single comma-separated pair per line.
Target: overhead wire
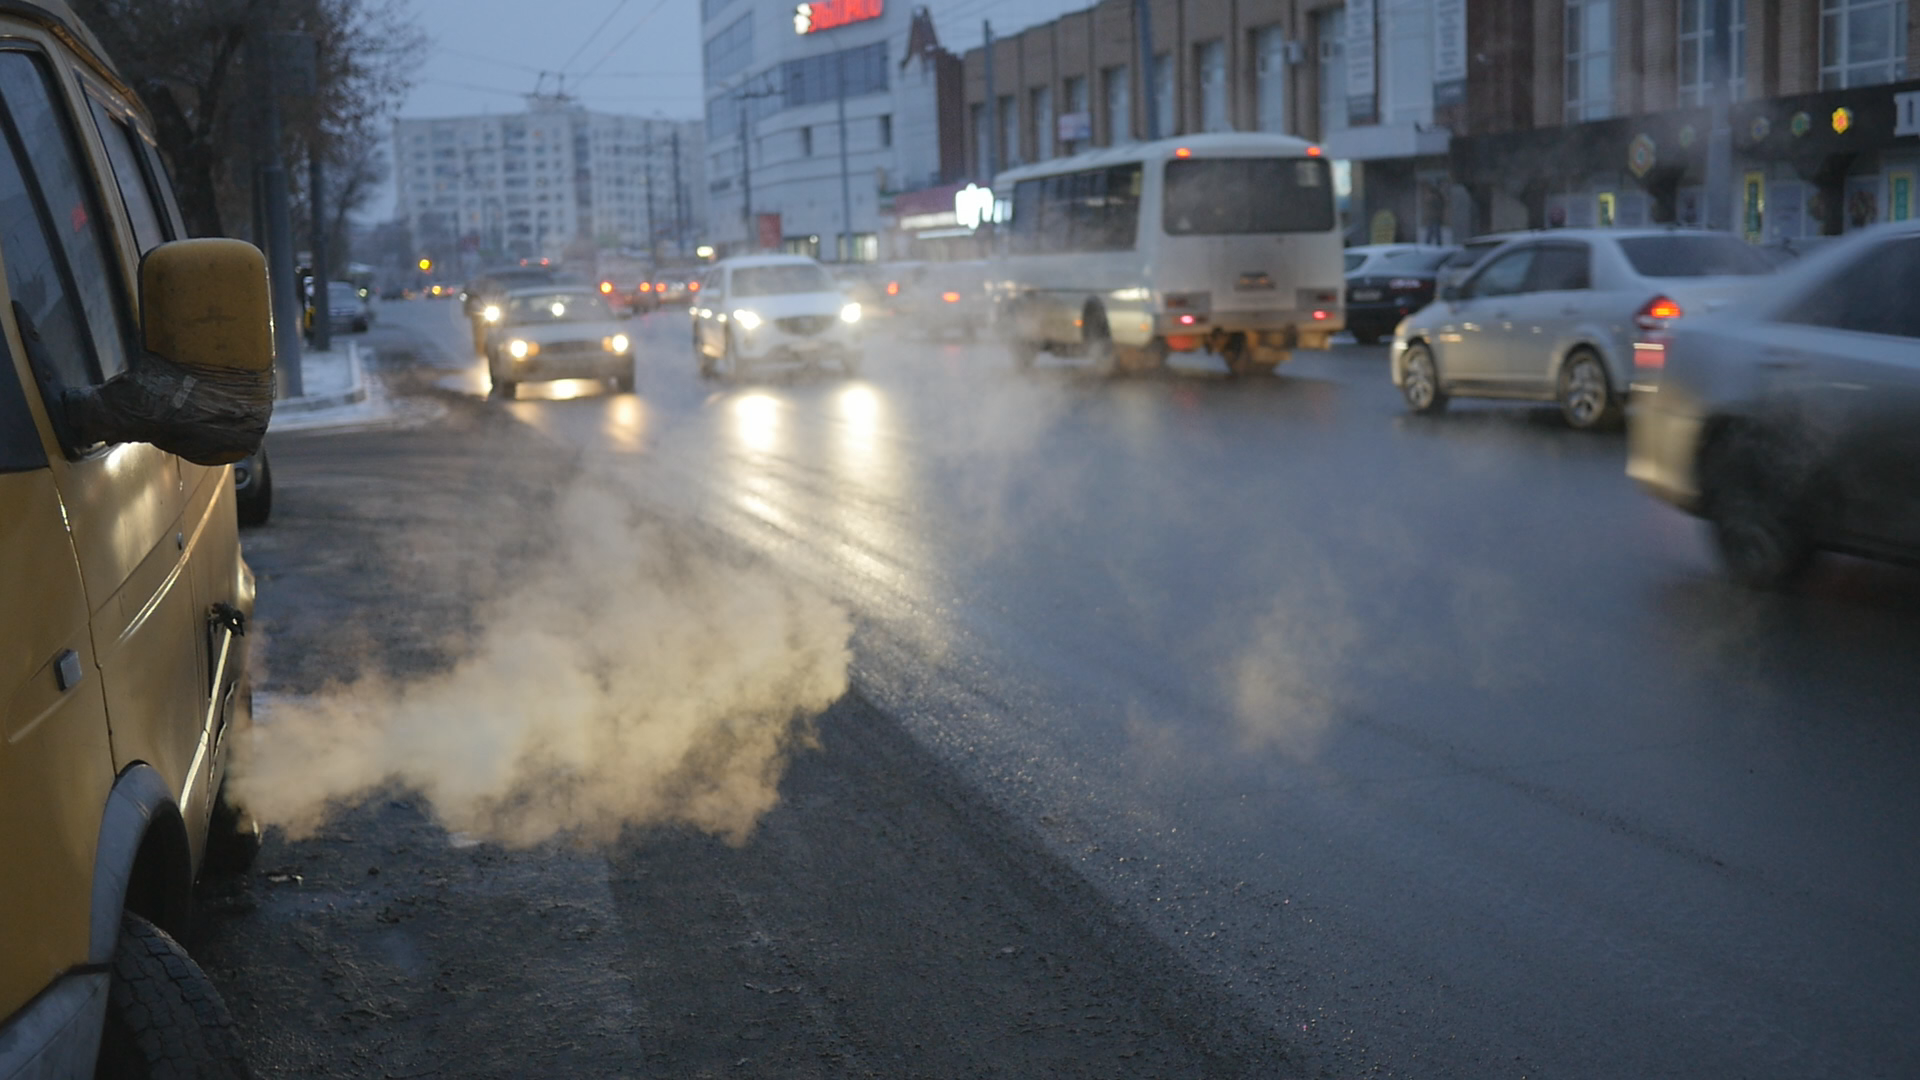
x,y
628,36
604,23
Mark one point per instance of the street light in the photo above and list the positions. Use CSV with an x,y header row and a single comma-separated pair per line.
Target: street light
x,y
426,265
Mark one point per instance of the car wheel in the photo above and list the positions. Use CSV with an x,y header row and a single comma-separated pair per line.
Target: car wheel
x,y
624,383
1750,504
1420,380
164,1017
505,389
1586,397
254,503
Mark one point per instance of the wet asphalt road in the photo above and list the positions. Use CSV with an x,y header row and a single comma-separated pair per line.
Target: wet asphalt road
x,y
1433,741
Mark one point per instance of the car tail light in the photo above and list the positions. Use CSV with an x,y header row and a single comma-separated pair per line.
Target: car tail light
x,y
693,286
1186,320
1657,313
1319,316
606,288
1405,283
950,297
646,286
893,288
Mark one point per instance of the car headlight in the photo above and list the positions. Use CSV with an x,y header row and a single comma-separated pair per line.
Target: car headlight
x,y
617,343
850,313
491,313
747,320
522,349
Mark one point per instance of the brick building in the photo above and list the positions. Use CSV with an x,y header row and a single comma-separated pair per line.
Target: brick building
x,y
1454,117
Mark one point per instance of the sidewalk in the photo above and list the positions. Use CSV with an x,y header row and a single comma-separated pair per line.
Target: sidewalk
x,y
339,393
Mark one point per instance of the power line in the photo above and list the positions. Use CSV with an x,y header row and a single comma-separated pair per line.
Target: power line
x,y
487,59
596,33
651,12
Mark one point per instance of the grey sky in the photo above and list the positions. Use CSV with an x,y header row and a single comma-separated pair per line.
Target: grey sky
x,y
627,56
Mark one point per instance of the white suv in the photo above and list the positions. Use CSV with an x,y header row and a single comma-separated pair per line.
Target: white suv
x,y
759,309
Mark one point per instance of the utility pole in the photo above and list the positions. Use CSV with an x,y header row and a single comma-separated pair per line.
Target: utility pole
x,y
322,273
746,183
277,216
679,206
992,110
1719,208
846,185
1149,86
653,231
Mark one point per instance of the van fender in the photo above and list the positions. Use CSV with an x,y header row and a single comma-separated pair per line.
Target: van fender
x,y
142,858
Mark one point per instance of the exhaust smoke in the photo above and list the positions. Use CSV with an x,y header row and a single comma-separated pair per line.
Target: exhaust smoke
x,y
636,676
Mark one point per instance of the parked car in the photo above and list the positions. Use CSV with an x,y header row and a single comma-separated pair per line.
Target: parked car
x,y
253,487
1552,316
1459,265
347,310
1387,283
559,332
760,309
142,368
1792,423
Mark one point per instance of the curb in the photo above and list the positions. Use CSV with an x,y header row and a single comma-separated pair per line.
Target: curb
x,y
315,402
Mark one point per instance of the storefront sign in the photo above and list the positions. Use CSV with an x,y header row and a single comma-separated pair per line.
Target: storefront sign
x,y
1906,113
972,205
1449,52
1384,228
1075,127
1899,196
833,14
1753,205
1361,77
1842,120
1640,154
769,229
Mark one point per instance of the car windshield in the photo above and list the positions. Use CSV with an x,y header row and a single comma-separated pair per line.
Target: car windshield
x,y
1355,262
341,292
1232,196
1684,255
516,279
1415,260
781,280
556,307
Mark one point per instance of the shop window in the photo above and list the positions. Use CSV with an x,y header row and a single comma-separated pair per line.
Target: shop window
x,y
1589,59
1862,42
1116,82
1210,72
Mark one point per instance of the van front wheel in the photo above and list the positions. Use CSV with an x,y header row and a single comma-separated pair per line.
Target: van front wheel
x,y
164,1017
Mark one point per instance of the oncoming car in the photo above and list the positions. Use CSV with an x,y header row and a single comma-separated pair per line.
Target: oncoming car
x,y
1552,317
138,366
556,333
761,309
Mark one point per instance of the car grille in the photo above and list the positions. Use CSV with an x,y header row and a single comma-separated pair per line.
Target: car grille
x,y
805,325
570,347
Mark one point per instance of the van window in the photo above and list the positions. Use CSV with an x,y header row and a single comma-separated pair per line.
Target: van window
x,y
1233,196
130,177
20,449
37,279
41,137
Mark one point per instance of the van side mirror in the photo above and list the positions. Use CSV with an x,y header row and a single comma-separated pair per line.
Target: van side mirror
x,y
203,386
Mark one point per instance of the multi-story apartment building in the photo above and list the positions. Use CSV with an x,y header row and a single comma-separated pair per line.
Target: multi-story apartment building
x,y
551,181
1453,117
1585,112
784,82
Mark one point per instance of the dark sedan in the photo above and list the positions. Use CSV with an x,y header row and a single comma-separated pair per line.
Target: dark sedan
x,y
1388,282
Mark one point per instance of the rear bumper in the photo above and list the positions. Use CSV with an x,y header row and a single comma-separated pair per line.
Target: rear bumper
x,y
57,1035
1663,447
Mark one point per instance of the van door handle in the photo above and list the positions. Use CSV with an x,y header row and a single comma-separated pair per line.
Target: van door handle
x,y
67,671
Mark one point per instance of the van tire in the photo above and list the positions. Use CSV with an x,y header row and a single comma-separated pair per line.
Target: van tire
x,y
255,506
165,1020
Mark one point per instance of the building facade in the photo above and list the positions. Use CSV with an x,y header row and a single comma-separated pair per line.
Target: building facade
x,y
1448,118
552,181
817,115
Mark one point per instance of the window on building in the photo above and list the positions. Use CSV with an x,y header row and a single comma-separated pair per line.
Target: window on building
x,y
1119,94
886,131
1862,42
1330,34
1696,50
1040,106
1589,40
1009,118
1162,84
729,51
813,79
806,142
982,150
1210,80
1075,104
1270,79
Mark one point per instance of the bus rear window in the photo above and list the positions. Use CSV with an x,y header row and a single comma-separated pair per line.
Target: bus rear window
x,y
1231,196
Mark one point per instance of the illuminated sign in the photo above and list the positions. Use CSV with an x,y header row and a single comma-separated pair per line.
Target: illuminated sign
x,y
832,14
972,205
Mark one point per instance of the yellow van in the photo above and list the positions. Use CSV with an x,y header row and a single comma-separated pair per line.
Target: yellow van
x,y
134,366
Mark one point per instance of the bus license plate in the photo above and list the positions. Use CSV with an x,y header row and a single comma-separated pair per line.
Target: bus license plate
x,y
1367,294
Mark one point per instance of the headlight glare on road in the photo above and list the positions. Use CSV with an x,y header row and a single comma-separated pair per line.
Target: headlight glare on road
x,y
850,313
617,343
522,349
746,320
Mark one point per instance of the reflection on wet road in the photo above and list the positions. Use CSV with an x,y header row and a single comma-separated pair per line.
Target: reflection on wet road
x,y
1431,737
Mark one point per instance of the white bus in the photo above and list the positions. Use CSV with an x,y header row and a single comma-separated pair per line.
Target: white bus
x,y
1225,242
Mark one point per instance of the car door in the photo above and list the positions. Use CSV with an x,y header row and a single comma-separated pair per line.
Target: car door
x,y
1479,329
1848,360
1547,313
71,314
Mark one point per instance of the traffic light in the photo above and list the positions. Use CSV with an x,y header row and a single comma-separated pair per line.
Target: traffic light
x,y
426,264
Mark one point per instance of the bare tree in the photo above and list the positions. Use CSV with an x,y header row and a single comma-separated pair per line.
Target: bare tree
x,y
184,58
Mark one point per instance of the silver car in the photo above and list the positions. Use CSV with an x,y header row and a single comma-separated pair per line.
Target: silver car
x,y
557,332
1552,316
1792,423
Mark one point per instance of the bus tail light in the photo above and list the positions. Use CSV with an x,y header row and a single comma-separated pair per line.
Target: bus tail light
x,y
646,286
1186,320
950,297
693,286
1313,151
1319,315
893,288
